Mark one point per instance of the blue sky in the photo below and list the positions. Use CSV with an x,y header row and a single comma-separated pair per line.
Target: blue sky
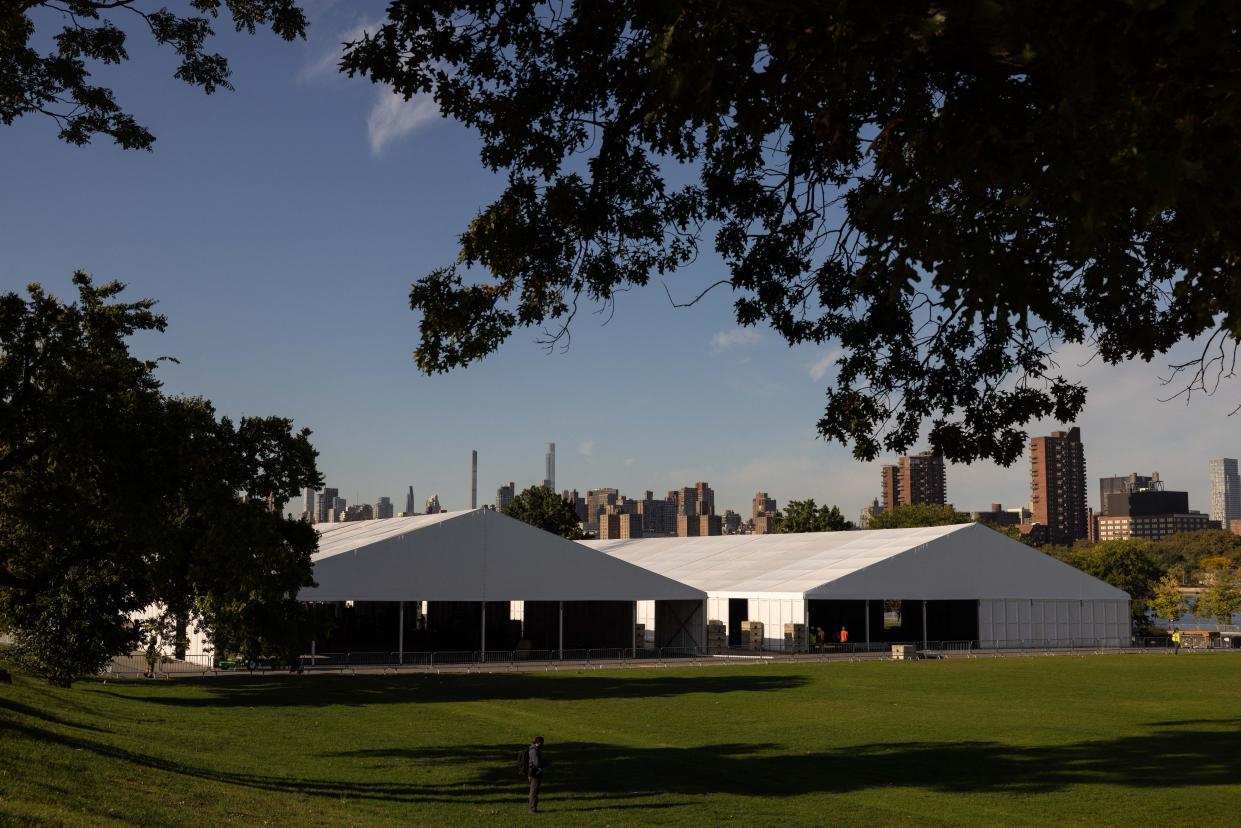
x,y
281,225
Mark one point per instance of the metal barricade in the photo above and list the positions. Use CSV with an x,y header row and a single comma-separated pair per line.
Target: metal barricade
x,y
495,658
410,660
368,659
605,654
452,658
325,661
198,664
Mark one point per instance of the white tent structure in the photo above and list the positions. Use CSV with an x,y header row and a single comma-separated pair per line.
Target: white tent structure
x,y
488,561
966,582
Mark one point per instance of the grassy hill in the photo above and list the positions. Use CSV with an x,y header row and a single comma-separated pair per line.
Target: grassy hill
x,y
1149,739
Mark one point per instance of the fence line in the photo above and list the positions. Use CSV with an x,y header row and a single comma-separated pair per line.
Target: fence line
x,y
492,660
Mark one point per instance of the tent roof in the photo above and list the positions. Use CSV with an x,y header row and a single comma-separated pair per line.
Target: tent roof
x,y
962,561
477,555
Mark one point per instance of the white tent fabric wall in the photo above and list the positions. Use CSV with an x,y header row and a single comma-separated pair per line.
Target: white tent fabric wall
x,y
1012,623
777,574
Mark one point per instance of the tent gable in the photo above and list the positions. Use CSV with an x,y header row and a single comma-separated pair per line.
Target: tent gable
x,y
973,562
477,555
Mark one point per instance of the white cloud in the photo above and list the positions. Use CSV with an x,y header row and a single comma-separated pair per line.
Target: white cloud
x,y
586,447
823,364
736,338
629,461
392,117
325,66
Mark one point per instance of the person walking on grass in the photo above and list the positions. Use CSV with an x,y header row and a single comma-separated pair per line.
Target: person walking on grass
x,y
1176,641
534,771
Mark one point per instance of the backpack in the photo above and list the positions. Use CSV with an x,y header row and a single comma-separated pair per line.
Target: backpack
x,y
523,762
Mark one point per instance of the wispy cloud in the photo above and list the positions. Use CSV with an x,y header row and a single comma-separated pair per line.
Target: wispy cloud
x,y
392,117
325,65
820,367
629,461
736,338
586,447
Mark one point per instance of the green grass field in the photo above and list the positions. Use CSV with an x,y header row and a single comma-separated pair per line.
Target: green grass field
x,y
1149,740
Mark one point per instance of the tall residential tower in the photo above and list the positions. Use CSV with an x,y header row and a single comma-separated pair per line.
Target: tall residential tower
x,y
1058,485
1225,491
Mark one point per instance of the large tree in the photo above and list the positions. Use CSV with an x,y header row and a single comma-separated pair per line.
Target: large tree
x,y
49,48
1222,597
805,516
918,514
540,506
947,191
115,497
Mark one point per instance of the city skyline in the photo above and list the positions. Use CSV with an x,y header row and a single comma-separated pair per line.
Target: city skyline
x,y
1094,484
336,229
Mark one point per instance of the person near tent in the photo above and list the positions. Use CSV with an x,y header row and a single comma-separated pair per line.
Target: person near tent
x,y
1176,640
535,765
844,635
822,638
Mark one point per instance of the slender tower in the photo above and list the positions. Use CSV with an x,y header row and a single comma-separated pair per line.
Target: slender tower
x,y
549,474
473,479
411,508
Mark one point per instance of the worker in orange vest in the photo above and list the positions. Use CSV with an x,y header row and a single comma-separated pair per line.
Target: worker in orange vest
x,y
844,636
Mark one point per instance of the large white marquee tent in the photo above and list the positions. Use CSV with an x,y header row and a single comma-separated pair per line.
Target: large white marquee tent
x,y
963,581
486,572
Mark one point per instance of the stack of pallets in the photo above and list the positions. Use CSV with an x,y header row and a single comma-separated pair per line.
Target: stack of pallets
x,y
717,636
752,635
794,638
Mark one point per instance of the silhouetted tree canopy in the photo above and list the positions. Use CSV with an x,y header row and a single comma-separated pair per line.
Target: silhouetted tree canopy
x,y
540,506
58,82
947,191
115,497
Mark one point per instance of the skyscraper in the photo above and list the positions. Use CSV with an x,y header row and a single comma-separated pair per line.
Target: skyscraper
x,y
923,479
549,474
504,496
762,505
383,509
919,478
473,479
309,510
1058,485
705,496
433,505
891,487
327,502
411,507
1225,491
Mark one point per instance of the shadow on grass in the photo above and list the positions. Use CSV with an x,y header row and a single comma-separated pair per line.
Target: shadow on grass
x,y
323,691
592,776
51,718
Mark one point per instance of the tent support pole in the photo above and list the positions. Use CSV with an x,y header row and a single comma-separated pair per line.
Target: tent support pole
x,y
924,624
633,628
560,645
400,635
483,647
805,624
867,602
